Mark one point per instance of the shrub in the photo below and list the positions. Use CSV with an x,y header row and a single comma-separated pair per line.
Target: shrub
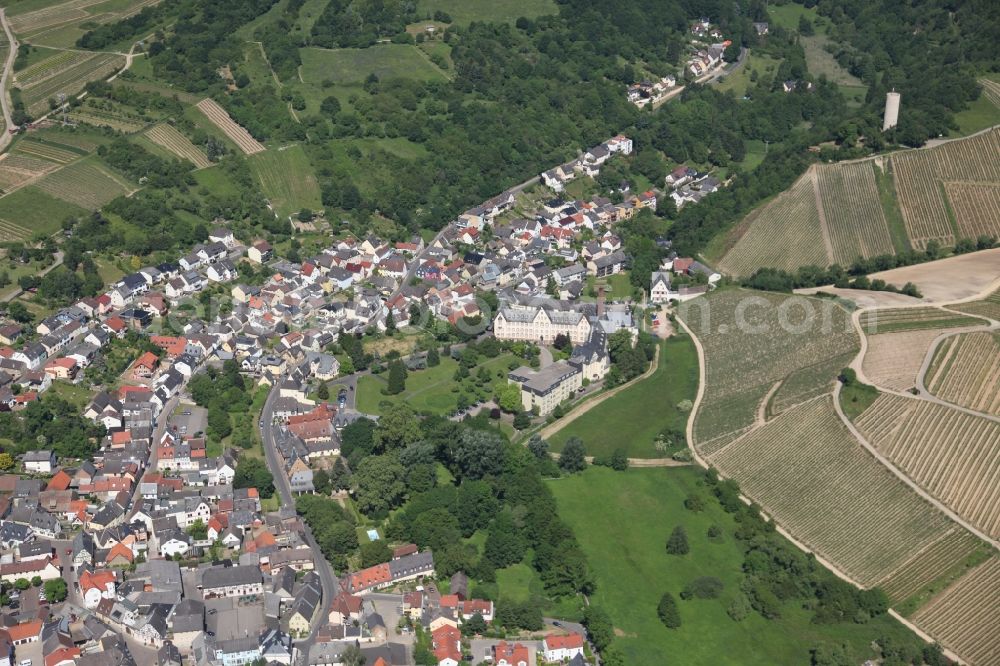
x,y
704,587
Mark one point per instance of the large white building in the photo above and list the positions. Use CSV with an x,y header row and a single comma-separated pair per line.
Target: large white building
x,y
541,325
547,387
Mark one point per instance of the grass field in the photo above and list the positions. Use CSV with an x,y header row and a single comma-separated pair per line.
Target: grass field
x,y
739,82
32,211
427,390
822,63
622,521
287,179
634,417
754,340
982,113
463,12
352,66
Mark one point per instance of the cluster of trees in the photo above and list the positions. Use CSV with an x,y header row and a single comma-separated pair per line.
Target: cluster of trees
x,y
360,23
51,423
134,27
253,473
497,489
335,531
141,165
773,279
628,359
223,392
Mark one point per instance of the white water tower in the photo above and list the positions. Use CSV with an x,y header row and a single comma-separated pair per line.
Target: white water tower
x,y
891,110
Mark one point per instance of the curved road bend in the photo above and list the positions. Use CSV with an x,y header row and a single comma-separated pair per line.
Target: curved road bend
x,y
328,580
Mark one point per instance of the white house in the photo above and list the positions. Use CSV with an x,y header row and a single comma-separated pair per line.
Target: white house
x,y
562,648
39,462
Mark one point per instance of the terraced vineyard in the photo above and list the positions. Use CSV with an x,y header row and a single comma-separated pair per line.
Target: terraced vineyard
x,y
966,371
45,151
890,320
838,213
976,207
927,568
951,454
783,234
98,119
816,480
859,229
965,616
39,19
988,307
992,90
86,184
920,178
167,136
753,340
15,170
218,116
893,360
68,80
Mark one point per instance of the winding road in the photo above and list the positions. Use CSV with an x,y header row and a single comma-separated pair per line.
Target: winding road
x,y
328,580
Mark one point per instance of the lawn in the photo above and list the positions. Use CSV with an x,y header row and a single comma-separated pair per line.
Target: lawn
x,y
634,417
427,390
75,394
463,12
518,582
739,82
617,286
755,152
788,15
347,66
981,114
622,521
287,179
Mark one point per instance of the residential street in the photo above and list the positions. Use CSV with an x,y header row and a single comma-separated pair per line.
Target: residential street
x,y
328,580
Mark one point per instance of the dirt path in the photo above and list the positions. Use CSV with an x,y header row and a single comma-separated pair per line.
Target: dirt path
x,y
8,68
588,404
824,230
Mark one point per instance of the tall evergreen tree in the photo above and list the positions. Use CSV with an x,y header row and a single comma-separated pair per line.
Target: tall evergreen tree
x,y
670,616
397,378
677,544
433,357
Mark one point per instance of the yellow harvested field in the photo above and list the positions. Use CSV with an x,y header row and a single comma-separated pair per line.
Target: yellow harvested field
x,y
218,116
951,279
785,234
853,211
965,617
170,138
953,455
893,359
966,371
808,472
976,207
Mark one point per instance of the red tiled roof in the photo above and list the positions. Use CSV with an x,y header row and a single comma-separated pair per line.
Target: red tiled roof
x,y
24,630
567,642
